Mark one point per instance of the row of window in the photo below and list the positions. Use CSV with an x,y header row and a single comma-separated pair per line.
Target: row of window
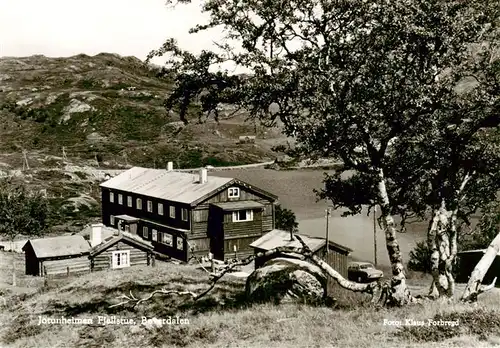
x,y
163,237
149,206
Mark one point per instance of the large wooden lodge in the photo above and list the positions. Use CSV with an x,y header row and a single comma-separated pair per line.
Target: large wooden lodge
x,y
184,214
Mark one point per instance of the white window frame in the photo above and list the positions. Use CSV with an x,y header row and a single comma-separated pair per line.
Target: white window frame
x,y
129,201
233,192
180,246
184,214
154,235
171,211
168,239
120,198
111,197
150,206
119,255
249,216
112,220
145,232
138,203
160,208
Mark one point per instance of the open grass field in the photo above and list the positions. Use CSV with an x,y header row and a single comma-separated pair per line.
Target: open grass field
x,y
222,318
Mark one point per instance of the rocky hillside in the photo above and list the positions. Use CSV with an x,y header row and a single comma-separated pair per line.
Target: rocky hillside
x,y
110,108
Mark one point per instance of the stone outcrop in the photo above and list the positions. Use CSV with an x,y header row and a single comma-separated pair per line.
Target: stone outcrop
x,y
286,280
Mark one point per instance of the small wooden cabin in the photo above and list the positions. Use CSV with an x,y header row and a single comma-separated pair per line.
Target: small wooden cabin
x,y
121,250
56,255
467,261
337,256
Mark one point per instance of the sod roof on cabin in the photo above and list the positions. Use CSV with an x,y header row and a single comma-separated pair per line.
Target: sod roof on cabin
x,y
58,246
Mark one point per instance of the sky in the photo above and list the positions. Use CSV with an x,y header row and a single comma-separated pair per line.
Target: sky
x,y
61,28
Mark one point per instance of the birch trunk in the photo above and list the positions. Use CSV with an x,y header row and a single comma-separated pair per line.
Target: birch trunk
x,y
442,243
435,290
474,285
452,255
400,293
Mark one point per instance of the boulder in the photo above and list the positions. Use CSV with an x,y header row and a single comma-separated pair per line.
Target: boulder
x,y
286,280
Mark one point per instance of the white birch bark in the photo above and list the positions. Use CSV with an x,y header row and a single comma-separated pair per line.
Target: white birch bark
x,y
474,287
400,293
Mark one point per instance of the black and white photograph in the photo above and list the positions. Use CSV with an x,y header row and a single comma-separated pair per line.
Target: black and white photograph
x,y
249,173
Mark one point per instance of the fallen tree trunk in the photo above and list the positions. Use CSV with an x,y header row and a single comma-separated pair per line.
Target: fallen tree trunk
x,y
474,287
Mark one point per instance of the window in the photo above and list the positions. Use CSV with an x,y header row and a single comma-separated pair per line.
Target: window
x,y
154,234
121,259
138,203
120,198
233,192
172,212
180,243
184,213
160,209
111,197
112,220
167,239
145,232
129,201
150,206
242,215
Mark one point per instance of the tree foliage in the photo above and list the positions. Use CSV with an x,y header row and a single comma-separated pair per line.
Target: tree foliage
x,y
420,259
21,212
374,83
285,219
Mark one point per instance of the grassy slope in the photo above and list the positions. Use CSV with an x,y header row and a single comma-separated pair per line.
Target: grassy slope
x,y
112,122
352,323
111,106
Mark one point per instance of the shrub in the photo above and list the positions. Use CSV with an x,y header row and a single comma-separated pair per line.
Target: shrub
x,y
286,219
420,258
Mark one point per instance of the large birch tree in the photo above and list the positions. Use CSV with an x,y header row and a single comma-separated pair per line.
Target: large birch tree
x,y
346,78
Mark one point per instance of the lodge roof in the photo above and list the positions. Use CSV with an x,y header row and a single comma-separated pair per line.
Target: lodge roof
x,y
279,238
172,185
58,246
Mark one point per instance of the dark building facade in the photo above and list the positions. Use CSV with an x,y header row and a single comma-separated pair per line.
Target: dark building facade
x,y
184,214
467,261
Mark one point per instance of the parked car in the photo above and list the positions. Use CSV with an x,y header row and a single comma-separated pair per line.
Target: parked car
x,y
363,272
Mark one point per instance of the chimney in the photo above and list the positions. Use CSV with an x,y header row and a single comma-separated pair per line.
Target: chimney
x,y
170,166
96,235
203,175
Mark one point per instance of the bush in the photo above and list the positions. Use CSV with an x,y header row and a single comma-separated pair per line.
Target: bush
x,y
420,258
286,219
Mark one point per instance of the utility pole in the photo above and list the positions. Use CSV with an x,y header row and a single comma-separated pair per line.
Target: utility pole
x,y
327,211
375,235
